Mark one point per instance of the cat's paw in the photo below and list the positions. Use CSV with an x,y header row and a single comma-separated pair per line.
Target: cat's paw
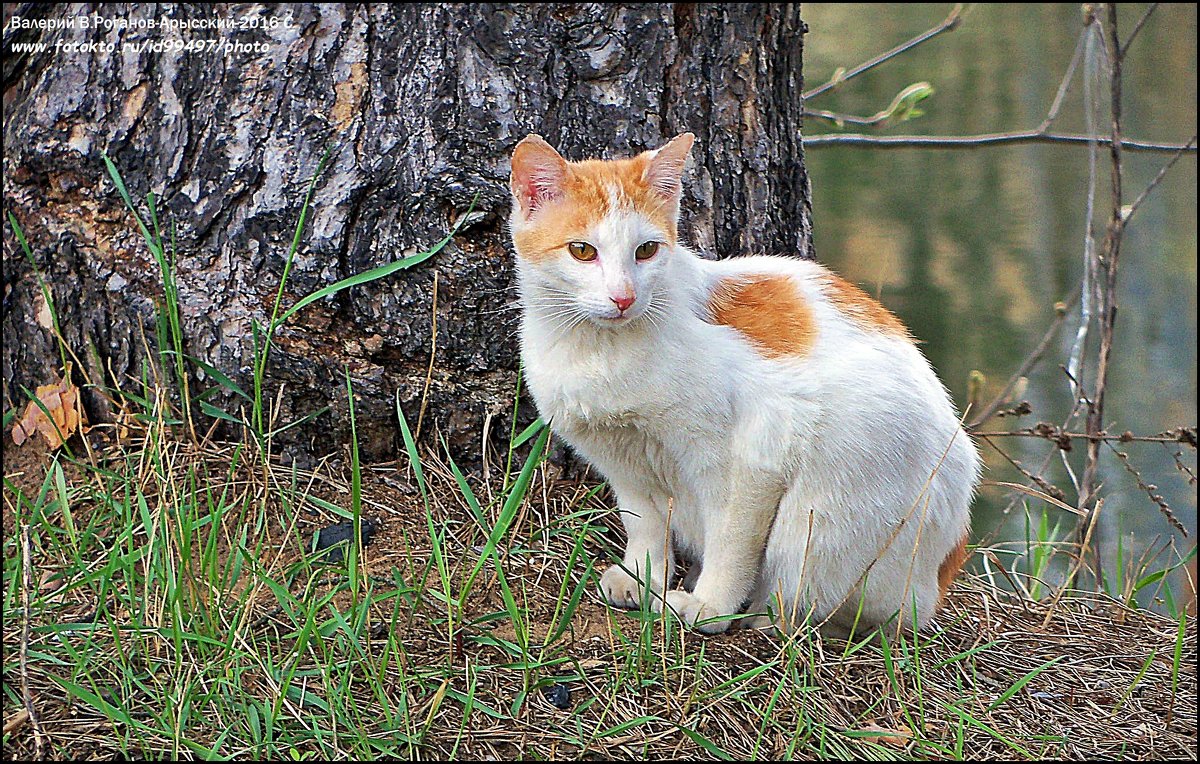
x,y
623,590
690,609
758,623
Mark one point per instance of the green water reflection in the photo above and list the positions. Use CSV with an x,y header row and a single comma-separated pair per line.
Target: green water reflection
x,y
972,248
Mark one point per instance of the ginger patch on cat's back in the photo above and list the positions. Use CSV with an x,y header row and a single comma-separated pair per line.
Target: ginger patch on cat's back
x,y
768,310
861,308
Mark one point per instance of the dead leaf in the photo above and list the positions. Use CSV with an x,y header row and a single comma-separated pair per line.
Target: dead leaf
x,y
16,721
62,402
50,586
899,737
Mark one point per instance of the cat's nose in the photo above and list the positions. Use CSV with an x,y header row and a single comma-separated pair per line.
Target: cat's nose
x,y
623,302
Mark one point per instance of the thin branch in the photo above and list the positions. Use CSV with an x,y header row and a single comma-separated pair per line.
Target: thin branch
x,y
1045,462
26,695
1047,487
1188,475
1076,385
951,22
1060,311
1077,356
1106,260
1046,431
1150,490
985,139
839,118
1065,85
1040,134
1137,28
902,107
1128,213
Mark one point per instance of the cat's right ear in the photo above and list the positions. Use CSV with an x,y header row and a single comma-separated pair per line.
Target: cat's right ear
x,y
664,165
539,174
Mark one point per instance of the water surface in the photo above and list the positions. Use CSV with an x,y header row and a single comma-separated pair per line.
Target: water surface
x,y
972,248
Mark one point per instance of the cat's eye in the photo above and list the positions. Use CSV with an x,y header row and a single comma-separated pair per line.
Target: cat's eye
x,y
581,250
646,251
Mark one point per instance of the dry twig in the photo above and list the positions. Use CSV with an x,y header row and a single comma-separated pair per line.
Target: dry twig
x,y
949,24
26,694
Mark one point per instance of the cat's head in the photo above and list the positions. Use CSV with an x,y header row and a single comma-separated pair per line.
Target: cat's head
x,y
596,236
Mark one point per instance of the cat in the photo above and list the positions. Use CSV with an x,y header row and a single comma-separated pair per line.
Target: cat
x,y
758,415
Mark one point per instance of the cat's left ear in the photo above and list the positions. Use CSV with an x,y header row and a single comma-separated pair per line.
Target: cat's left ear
x,y
664,166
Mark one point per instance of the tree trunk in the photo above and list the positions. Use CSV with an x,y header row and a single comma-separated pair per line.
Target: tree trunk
x,y
421,106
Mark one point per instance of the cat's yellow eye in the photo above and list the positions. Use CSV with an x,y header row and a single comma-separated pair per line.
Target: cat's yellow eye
x,y
646,251
581,250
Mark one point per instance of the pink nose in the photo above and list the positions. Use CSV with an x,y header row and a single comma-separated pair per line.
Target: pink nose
x,y
622,303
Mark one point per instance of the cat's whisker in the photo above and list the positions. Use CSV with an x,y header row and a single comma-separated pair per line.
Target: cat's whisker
x,y
562,321
501,310
552,304
557,310
655,314
508,289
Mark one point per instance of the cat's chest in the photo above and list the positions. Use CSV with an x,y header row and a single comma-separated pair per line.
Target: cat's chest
x,y
578,400
582,389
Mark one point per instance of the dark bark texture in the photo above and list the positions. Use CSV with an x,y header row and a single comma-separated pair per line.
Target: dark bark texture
x,y
421,106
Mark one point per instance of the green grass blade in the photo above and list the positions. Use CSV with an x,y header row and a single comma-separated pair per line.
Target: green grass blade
x,y
529,432
367,276
410,447
508,512
218,375
1021,683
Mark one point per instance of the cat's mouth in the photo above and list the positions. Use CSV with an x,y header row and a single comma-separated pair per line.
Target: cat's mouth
x,y
619,319
614,320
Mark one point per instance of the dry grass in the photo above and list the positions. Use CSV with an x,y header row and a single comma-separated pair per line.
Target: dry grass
x,y
369,659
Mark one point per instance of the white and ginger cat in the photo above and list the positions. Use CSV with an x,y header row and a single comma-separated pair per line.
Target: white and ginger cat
x,y
757,415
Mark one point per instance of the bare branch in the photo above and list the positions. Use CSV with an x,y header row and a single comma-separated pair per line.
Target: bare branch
x,y
1106,262
1077,357
1137,28
1188,475
1047,431
949,24
1065,85
1041,482
26,695
1040,134
1060,315
985,139
1128,213
1150,490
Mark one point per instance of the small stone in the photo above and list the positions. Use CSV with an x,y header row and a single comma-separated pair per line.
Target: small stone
x,y
333,534
301,460
559,696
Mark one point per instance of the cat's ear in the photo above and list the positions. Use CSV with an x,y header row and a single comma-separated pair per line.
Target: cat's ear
x,y
538,174
664,166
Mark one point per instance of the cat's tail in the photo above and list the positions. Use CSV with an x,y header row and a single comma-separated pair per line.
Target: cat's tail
x,y
950,568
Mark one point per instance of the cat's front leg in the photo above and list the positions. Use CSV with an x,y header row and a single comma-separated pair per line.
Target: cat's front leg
x,y
649,560
735,540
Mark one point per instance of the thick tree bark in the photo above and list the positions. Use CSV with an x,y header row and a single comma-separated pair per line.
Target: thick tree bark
x,y
421,106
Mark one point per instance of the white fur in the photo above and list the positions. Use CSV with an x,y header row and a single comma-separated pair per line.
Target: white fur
x,y
832,481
